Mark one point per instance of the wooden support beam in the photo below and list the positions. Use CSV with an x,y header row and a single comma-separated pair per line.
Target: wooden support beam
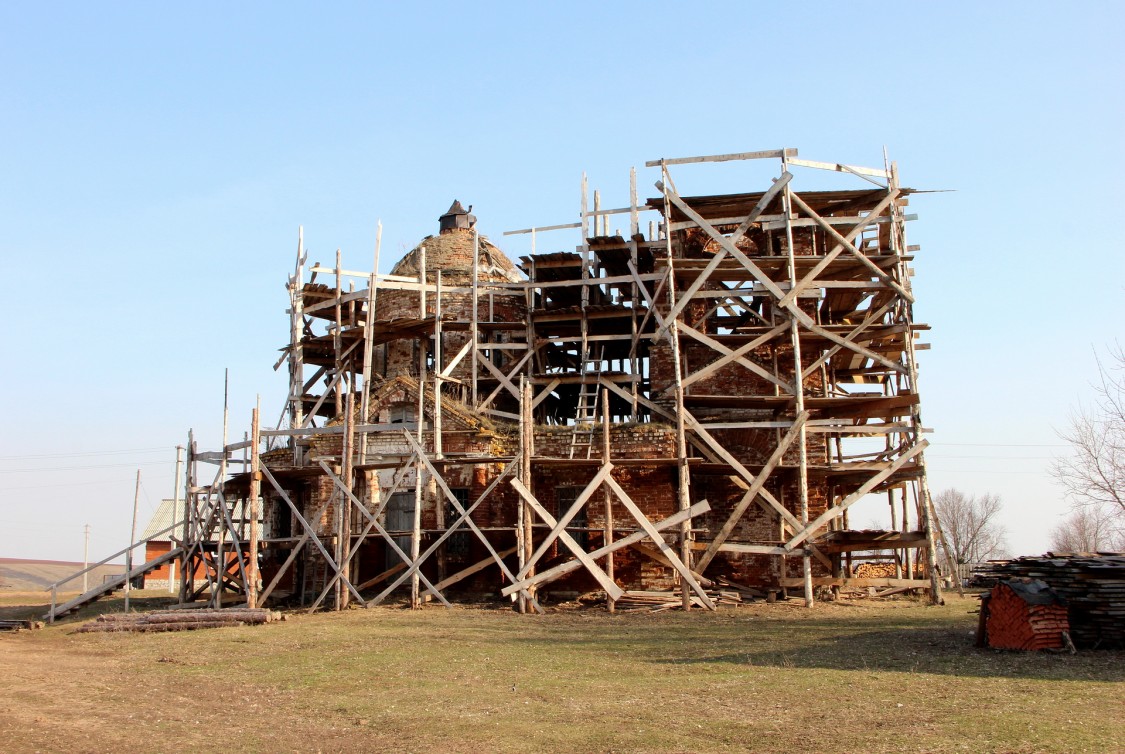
x,y
561,534
667,550
573,565
740,509
467,520
310,531
866,487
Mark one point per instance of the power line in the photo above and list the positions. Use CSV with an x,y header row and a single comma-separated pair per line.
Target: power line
x,y
1000,444
89,453
64,484
84,468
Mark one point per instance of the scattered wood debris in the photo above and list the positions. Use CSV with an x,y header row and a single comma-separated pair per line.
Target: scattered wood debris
x,y
20,625
658,602
180,620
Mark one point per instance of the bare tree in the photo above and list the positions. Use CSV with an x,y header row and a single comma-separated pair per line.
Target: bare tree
x,y
1094,475
1089,529
971,524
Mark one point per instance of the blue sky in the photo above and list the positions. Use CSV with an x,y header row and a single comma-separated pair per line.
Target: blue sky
x,y
157,162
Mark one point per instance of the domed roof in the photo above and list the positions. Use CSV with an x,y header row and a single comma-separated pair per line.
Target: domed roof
x,y
452,253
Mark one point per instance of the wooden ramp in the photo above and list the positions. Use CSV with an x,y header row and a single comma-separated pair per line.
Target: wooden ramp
x,y
110,586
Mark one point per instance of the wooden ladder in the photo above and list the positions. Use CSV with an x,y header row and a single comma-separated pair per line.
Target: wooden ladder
x,y
586,414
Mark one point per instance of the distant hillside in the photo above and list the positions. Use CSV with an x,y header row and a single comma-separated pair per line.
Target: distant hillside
x,y
19,575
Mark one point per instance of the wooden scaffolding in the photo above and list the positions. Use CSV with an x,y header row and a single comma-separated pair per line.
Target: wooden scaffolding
x,y
771,334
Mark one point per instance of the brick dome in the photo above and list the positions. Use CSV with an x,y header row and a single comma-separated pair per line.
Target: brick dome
x,y
452,253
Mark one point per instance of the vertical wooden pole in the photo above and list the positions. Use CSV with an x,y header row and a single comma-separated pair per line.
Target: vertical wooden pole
x,y
132,541
527,451
252,577
684,490
439,502
221,562
86,559
345,500
521,510
611,604
799,393
337,342
416,524
474,316
368,344
296,352
187,573
894,527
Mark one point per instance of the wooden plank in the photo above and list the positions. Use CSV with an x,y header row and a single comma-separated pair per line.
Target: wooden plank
x,y
573,565
559,526
740,509
759,155
664,547
477,567
839,167
866,487
860,583
593,568
744,549
742,471
738,355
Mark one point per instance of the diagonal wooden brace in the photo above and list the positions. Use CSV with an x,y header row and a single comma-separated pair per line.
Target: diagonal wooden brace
x,y
736,515
668,552
311,532
560,526
734,238
573,565
595,570
449,531
382,532
468,521
867,486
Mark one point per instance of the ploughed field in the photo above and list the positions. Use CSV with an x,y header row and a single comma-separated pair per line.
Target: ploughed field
x,y
849,676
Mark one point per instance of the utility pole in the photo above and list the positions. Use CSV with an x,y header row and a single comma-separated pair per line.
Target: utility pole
x,y
132,539
86,561
176,512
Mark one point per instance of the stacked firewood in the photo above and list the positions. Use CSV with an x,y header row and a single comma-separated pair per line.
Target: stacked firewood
x,y
885,571
1093,586
180,620
1014,622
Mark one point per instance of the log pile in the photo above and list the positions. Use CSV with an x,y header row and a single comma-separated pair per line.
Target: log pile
x,y
885,571
1093,586
20,625
179,620
1024,614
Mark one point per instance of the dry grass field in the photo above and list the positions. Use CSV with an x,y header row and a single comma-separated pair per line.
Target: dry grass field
x,y
18,575
854,676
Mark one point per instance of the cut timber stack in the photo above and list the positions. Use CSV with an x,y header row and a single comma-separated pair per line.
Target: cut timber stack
x,y
884,571
20,625
179,620
1093,585
1024,614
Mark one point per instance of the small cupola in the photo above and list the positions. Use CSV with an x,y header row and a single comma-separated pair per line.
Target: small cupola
x,y
457,218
